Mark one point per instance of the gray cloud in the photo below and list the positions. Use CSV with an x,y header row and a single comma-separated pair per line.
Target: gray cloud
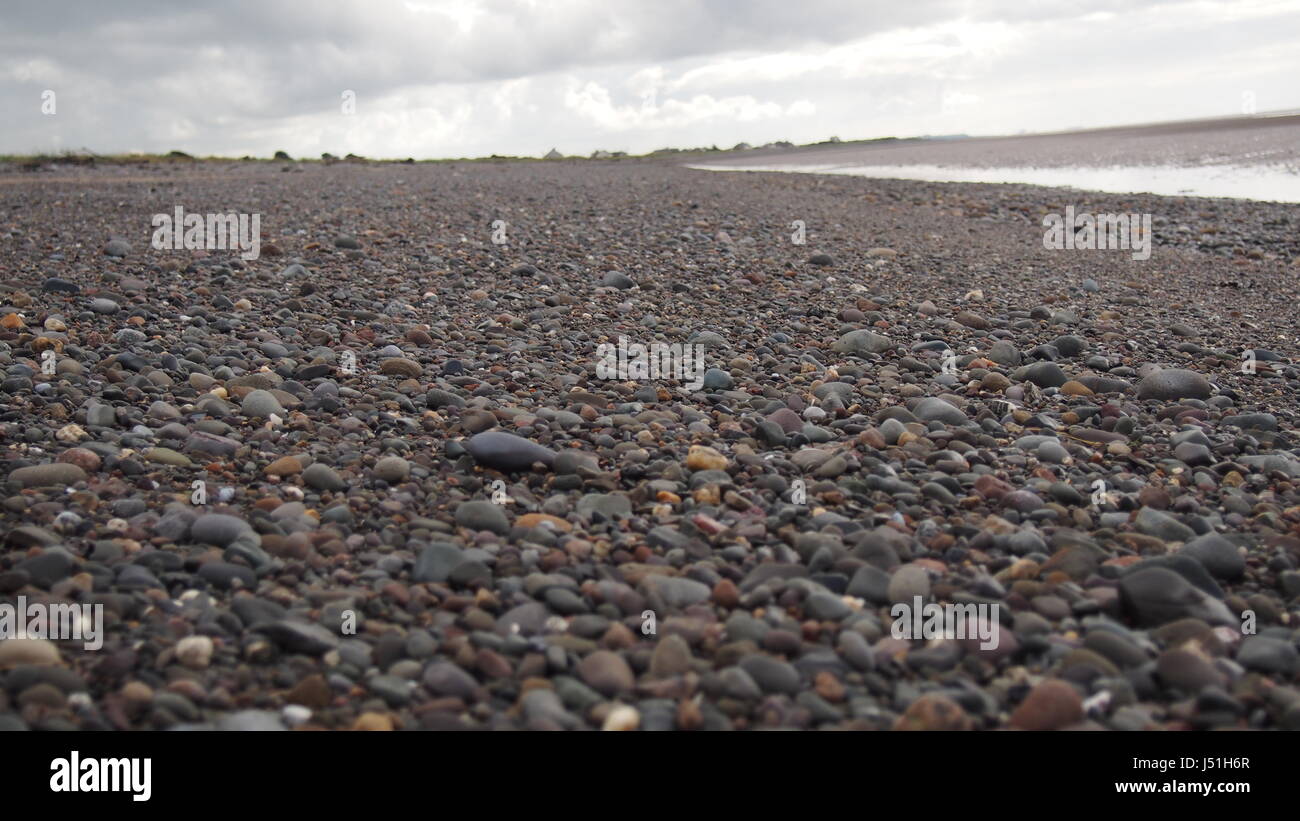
x,y
513,76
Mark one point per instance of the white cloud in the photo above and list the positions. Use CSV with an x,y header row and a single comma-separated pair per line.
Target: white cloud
x,y
476,77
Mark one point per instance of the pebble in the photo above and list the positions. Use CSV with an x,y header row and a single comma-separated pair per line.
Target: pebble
x,y
622,718
55,474
1187,671
934,713
15,652
323,477
702,457
617,279
1157,595
507,452
675,593
219,529
1051,705
862,342
436,562
260,404
483,515
908,582
1221,557
1173,384
771,675
195,651
934,409
1162,525
392,469
606,672
1044,375
1268,655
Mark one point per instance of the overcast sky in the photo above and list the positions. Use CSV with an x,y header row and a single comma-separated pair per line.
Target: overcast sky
x,y
478,77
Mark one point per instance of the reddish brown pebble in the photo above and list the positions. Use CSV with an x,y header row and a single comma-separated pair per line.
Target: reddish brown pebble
x,y
1051,705
933,712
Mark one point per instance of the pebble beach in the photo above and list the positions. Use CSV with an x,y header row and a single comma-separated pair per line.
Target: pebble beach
x,y
372,479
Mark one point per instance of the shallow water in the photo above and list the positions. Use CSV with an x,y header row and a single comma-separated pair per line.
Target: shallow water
x,y
1271,183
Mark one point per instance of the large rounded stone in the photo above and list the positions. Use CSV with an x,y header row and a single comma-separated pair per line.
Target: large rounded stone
x,y
1174,383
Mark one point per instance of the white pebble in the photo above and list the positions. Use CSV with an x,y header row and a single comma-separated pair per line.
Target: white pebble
x,y
296,714
195,651
622,718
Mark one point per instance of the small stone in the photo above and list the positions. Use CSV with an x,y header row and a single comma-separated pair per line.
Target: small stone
x,y
1268,655
1157,595
609,506
1004,353
284,466
323,477
373,722
260,404
300,637
1187,670
622,718
673,591
219,529
703,457
606,672
1162,525
15,652
862,342
436,562
482,515
1173,384
54,474
617,279
934,712
717,380
195,651
400,366
59,285
1221,557
824,606
392,469
1044,375
671,657
1051,705
908,582
932,409
771,674
507,452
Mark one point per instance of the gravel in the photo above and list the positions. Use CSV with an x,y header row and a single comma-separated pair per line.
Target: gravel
x,y
373,479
